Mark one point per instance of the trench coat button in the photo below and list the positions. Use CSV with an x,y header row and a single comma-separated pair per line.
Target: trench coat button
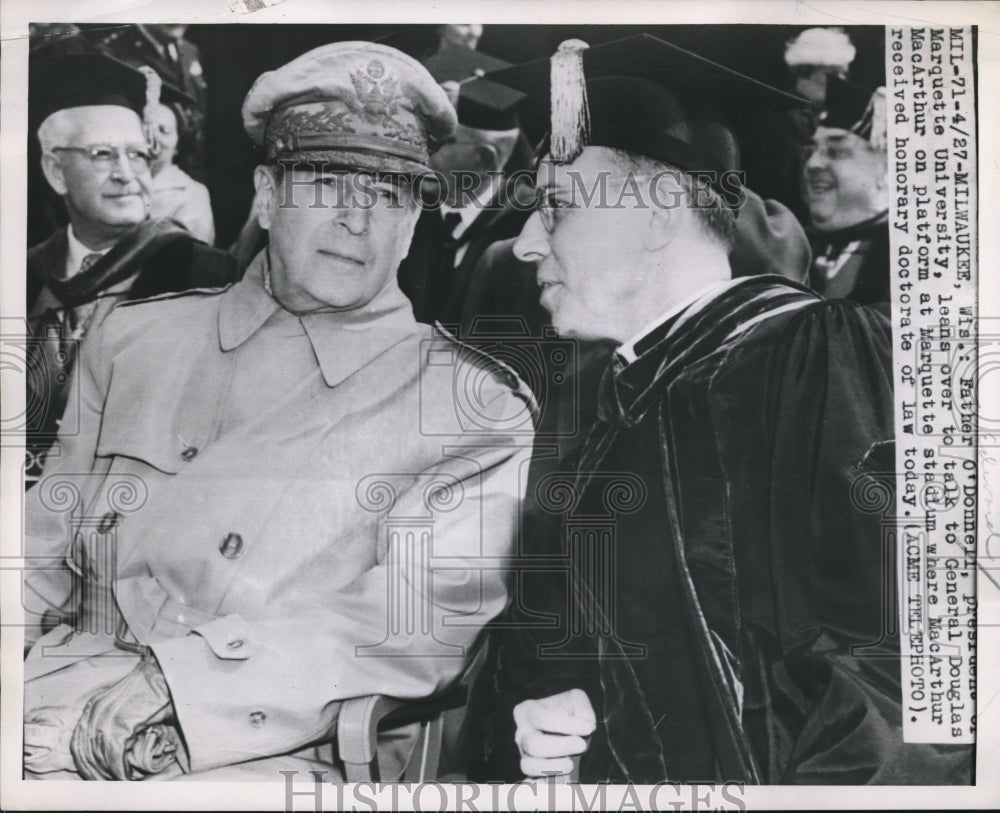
x,y
235,643
232,546
257,718
190,453
108,521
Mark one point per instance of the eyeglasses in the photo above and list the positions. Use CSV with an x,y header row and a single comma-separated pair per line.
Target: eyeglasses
x,y
550,208
105,157
639,188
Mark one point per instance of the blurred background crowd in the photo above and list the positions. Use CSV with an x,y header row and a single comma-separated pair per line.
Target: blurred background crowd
x,y
214,66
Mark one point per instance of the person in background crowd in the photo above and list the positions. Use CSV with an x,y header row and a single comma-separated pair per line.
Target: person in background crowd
x,y
277,430
721,608
95,155
461,36
814,56
846,183
176,195
45,210
485,193
178,63
56,39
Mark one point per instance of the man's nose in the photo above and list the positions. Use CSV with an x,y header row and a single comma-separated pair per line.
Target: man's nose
x,y
533,243
354,217
817,159
123,170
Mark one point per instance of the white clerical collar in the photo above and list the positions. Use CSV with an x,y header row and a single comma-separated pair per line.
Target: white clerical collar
x,y
475,207
696,301
76,252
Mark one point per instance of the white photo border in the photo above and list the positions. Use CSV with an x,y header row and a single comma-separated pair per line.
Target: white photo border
x,y
16,794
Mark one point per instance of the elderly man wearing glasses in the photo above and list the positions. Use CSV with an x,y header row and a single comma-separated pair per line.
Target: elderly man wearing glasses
x,y
96,156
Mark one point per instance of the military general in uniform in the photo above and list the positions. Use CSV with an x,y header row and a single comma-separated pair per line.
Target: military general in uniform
x,y
285,493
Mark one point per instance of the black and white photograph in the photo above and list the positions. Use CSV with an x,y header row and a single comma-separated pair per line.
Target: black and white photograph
x,y
586,408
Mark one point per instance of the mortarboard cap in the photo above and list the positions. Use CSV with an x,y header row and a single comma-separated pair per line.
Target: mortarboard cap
x,y
480,103
360,105
81,80
859,110
648,97
87,79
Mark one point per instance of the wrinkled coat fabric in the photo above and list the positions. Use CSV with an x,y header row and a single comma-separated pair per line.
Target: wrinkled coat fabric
x,y
239,499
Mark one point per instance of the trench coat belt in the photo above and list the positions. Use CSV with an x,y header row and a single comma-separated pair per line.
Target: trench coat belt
x,y
99,614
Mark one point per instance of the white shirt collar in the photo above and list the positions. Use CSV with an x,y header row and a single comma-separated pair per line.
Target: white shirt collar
x,y
696,301
475,207
77,251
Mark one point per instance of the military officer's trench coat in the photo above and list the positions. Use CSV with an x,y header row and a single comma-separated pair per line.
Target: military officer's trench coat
x,y
289,512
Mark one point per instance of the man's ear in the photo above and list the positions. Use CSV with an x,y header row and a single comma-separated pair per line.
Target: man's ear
x,y
659,227
265,200
52,170
882,178
488,156
667,201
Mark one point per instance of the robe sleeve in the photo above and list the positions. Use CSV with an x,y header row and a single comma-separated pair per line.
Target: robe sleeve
x,y
538,614
825,650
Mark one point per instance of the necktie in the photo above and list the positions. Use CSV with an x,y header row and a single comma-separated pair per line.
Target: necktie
x,y
50,361
88,261
450,221
79,316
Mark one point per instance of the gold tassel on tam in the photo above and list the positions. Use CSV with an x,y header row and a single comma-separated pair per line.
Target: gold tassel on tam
x,y
570,114
879,123
153,86
873,124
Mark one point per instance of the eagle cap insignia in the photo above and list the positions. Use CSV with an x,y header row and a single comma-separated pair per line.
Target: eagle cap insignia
x,y
377,89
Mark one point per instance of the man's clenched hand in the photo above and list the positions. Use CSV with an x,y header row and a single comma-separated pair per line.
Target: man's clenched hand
x,y
551,730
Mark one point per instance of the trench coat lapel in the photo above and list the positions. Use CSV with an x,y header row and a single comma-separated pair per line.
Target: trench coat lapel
x,y
343,342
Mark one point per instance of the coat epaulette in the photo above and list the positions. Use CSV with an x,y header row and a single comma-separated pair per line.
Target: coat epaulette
x,y
175,295
503,373
104,40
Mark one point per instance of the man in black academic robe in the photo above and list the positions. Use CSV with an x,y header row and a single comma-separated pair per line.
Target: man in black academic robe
x,y
846,191
95,156
708,590
479,192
